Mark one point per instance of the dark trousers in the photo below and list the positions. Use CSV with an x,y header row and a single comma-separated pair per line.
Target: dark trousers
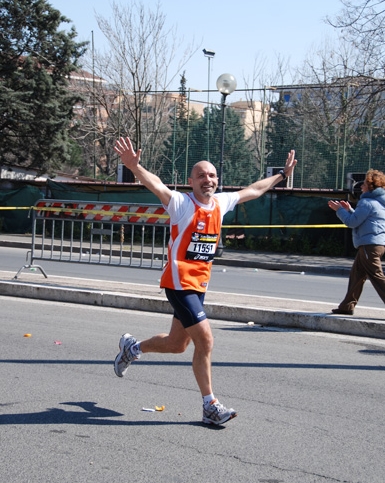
x,y
367,265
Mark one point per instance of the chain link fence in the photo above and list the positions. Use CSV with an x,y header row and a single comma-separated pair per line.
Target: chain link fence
x,y
337,132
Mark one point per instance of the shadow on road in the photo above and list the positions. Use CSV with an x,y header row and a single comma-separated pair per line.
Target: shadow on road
x,y
91,415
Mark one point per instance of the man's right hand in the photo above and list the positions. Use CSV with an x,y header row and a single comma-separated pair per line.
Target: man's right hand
x,y
129,158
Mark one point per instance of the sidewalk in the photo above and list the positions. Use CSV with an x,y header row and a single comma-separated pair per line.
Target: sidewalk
x,y
242,258
243,309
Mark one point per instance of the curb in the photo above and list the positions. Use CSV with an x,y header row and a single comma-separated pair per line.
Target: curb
x,y
260,316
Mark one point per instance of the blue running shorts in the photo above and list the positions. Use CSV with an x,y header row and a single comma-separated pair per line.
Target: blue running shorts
x,y
187,305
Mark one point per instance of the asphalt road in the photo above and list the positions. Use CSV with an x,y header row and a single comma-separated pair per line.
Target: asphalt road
x,y
248,281
310,405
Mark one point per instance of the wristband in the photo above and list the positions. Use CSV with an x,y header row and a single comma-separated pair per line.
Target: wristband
x,y
282,173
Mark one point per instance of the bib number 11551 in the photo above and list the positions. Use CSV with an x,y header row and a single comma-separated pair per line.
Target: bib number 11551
x,y
202,247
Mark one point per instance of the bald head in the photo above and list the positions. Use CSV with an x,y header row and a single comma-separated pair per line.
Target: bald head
x,y
204,181
202,165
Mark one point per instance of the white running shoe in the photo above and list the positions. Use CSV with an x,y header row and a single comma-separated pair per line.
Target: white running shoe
x,y
125,356
216,413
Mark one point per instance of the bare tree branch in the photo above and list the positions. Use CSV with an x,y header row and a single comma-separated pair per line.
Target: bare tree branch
x,y
139,67
362,22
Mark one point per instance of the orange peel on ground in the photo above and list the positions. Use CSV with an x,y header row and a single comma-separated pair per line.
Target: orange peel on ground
x,y
159,408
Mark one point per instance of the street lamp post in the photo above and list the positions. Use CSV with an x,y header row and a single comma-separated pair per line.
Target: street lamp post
x,y
210,55
226,84
188,133
94,102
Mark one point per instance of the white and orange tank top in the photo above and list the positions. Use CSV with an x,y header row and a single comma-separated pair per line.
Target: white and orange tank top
x,y
194,235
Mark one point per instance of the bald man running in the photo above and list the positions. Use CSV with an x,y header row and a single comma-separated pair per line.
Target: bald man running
x,y
195,227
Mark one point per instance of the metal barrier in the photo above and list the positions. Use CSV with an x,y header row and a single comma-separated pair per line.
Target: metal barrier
x,y
96,233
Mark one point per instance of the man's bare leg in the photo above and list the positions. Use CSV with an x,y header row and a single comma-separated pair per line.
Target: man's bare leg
x,y
175,342
202,338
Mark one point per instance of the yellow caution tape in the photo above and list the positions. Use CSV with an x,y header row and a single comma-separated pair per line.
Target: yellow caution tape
x,y
16,207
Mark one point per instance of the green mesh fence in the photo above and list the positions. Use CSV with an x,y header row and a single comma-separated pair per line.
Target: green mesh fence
x,y
338,134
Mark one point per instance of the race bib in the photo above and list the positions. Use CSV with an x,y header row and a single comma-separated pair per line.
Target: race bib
x,y
202,247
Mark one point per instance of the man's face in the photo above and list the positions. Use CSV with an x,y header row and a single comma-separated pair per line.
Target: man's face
x,y
204,181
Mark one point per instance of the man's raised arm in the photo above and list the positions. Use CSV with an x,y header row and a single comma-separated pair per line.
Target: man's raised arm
x,y
131,160
257,189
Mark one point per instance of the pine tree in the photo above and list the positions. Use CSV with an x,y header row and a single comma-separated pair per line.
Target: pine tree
x,y
180,146
36,105
187,144
238,163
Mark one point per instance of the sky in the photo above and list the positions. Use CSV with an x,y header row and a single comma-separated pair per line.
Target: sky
x,y
239,32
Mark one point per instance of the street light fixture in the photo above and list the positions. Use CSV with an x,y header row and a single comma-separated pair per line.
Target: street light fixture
x,y
226,84
210,55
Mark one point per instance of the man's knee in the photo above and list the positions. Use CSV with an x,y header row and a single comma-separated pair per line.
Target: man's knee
x,y
203,339
206,344
178,346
